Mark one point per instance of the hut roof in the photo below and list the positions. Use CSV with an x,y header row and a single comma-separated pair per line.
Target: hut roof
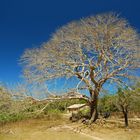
x,y
76,106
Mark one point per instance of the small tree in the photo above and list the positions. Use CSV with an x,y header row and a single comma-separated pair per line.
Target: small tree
x,y
127,99
95,50
123,102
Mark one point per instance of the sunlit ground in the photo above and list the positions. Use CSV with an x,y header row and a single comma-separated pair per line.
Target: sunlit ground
x,y
38,130
42,129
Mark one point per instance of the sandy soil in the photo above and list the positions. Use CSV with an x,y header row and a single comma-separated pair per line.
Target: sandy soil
x,y
64,130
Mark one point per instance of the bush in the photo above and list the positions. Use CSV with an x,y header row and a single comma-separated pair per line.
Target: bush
x,y
5,117
18,110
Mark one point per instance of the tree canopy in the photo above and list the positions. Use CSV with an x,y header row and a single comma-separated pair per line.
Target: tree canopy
x,y
102,46
95,49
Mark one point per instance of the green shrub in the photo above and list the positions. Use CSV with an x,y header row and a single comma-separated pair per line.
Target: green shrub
x,y
19,110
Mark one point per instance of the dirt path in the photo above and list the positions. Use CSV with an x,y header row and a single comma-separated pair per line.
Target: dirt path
x,y
75,129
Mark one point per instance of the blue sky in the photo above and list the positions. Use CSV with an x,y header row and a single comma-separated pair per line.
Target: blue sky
x,y
28,23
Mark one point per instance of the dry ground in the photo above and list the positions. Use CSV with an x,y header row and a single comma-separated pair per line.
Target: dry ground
x,y
42,129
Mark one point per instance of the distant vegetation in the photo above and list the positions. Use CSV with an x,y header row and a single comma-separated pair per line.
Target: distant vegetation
x,y
12,109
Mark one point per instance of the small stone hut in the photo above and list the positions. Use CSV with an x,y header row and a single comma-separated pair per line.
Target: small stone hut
x,y
76,107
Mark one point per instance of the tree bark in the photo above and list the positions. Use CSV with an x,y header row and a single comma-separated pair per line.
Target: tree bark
x,y
93,107
125,113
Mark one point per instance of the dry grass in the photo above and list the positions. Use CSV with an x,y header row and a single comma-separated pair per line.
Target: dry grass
x,y
43,129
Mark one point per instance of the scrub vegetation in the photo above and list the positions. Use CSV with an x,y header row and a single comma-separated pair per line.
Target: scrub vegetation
x,y
124,102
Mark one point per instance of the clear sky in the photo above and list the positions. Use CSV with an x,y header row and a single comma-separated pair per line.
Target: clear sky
x,y
28,23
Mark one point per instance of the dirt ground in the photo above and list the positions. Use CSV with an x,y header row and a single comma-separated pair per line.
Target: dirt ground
x,y
42,129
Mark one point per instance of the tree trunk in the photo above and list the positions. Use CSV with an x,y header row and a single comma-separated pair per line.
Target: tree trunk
x,y
93,107
125,113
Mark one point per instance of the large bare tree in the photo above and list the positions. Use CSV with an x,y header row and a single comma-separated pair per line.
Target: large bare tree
x,y
95,50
